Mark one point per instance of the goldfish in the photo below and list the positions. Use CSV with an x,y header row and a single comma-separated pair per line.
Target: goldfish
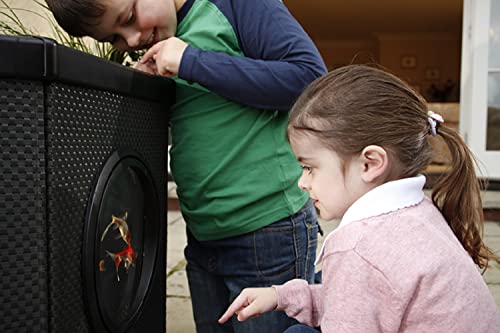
x,y
127,255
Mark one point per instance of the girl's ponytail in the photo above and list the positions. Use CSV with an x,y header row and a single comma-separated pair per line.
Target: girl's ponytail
x,y
458,197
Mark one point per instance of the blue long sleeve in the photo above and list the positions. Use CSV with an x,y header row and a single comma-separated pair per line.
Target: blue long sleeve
x,y
280,59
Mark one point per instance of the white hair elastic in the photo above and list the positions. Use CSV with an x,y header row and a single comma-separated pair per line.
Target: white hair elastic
x,y
433,118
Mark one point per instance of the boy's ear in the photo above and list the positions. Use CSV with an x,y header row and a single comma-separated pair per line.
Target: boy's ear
x,y
375,164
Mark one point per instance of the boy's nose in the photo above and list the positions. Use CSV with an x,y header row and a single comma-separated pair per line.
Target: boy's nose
x,y
303,183
133,38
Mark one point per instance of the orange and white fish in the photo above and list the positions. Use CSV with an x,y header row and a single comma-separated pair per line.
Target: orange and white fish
x,y
128,255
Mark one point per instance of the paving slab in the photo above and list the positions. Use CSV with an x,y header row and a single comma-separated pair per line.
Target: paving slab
x,y
176,239
495,290
180,315
177,285
179,311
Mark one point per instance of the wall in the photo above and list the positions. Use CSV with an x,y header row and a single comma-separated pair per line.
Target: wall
x,y
32,15
41,22
344,52
436,60
422,59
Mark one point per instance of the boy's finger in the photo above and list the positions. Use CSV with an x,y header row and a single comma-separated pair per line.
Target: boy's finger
x,y
150,53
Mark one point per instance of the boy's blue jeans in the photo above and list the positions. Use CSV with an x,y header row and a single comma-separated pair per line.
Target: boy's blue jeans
x,y
219,270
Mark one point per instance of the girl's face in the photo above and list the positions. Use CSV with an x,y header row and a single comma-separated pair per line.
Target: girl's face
x,y
137,24
333,188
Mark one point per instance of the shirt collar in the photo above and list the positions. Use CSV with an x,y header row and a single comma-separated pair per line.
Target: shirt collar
x,y
383,199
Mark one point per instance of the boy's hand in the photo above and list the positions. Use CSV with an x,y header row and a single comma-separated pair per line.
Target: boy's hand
x,y
148,67
252,302
167,55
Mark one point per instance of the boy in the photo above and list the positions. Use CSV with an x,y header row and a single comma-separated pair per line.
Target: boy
x,y
239,66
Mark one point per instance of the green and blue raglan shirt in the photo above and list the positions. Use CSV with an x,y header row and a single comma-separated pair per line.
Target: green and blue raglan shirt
x,y
247,62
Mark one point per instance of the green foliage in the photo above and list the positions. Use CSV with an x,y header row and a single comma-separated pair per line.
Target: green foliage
x,y
11,24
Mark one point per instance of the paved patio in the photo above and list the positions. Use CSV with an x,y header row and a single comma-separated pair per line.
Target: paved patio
x,y
179,313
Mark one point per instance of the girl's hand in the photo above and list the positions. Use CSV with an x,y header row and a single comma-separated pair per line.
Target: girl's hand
x,y
251,302
167,55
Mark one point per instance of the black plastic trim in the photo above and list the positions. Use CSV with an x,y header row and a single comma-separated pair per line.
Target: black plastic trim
x,y
41,58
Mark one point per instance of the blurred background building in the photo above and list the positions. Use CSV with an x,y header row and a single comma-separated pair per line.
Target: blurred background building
x,y
448,50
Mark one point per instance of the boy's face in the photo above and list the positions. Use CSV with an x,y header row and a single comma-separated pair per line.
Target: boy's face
x,y
137,24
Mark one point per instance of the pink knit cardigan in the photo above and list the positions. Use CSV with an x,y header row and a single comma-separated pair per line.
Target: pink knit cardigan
x,y
403,271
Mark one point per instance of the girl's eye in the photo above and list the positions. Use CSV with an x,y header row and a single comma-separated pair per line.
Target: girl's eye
x,y
308,169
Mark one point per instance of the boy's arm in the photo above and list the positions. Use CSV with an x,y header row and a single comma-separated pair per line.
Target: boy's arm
x,y
280,59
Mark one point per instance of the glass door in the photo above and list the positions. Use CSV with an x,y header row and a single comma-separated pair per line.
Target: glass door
x,y
480,83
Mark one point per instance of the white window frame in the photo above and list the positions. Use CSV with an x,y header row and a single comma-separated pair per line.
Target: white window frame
x,y
474,89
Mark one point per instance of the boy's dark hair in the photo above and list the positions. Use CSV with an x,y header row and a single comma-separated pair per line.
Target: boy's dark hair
x,y
76,16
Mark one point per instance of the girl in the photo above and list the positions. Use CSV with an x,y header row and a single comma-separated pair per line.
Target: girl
x,y
398,262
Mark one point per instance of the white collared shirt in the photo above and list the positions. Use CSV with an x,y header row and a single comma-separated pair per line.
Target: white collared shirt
x,y
383,199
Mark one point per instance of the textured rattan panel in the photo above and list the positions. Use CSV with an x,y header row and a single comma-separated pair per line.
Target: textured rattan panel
x,y
23,245
83,127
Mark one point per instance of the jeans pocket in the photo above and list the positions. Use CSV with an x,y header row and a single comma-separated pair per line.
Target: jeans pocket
x,y
274,248
306,240
310,220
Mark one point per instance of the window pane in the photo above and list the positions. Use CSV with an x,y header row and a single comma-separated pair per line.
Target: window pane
x,y
493,127
494,45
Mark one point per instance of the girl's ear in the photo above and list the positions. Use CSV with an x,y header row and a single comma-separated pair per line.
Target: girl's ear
x,y
375,164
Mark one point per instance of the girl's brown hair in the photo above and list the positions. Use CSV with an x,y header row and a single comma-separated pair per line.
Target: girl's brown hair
x,y
357,105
